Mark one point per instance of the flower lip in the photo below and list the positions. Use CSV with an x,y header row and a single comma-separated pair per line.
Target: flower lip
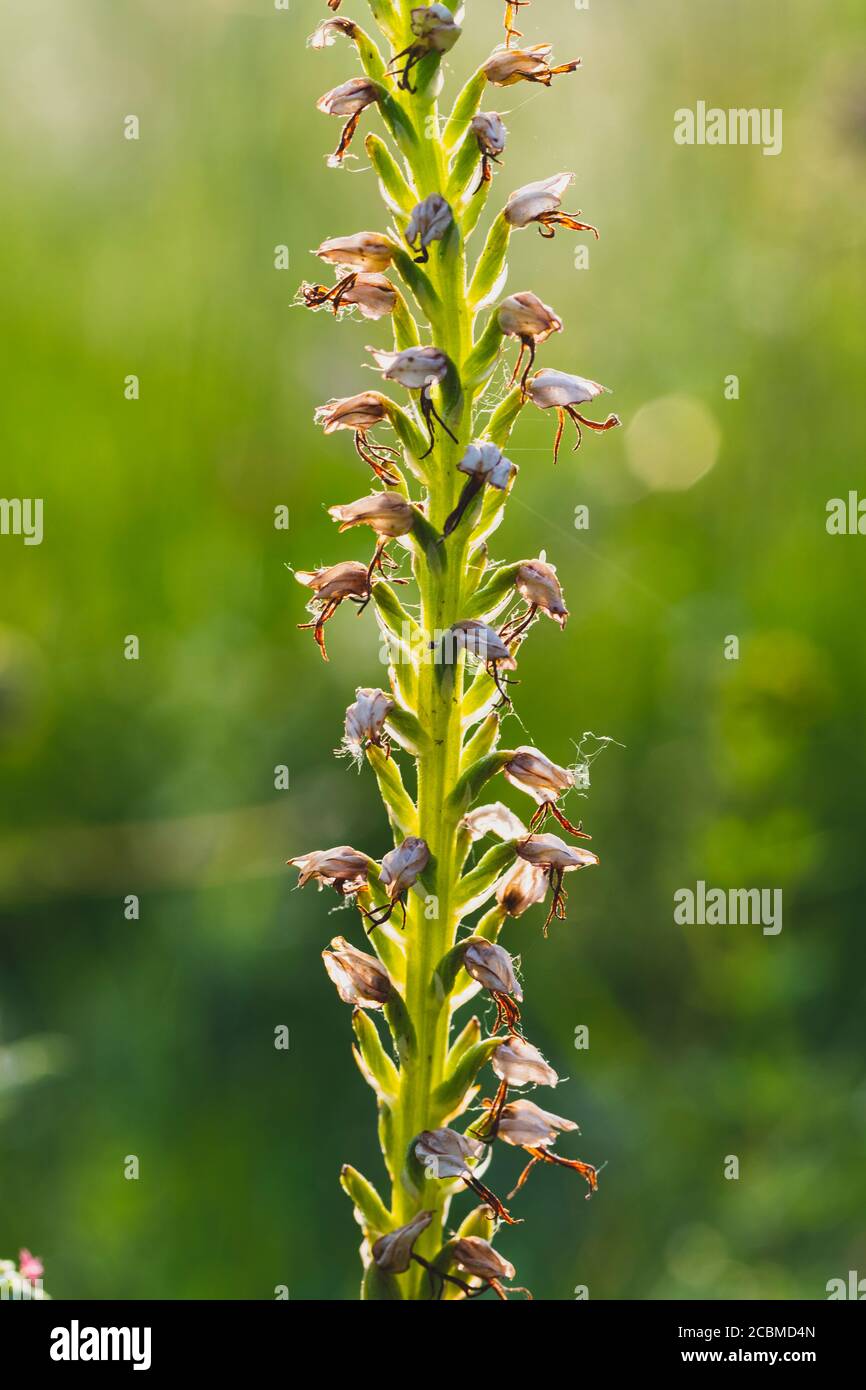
x,y
393,1252
519,1063
359,978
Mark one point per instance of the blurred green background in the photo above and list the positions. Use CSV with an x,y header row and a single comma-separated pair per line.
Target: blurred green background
x,y
707,518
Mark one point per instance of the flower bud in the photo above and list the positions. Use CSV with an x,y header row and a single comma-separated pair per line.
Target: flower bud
x,y
495,819
403,866
549,852
393,1252
533,773
524,316
486,463
505,66
549,389
352,412
414,367
388,513
534,200
537,583
359,978
364,251
522,887
518,1063
445,1153
489,130
436,26
429,222
343,868
350,97
477,1258
526,1125
492,967
349,579
365,719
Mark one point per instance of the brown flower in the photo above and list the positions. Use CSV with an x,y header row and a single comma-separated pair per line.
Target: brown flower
x,y
330,586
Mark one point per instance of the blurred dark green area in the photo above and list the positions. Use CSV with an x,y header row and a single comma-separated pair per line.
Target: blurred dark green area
x,y
155,1037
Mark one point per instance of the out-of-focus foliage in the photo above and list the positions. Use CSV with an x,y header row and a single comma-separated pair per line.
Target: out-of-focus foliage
x,y
156,778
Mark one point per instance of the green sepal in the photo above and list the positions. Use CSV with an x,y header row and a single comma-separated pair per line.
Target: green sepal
x,y
479,694
476,776
402,812
450,1097
480,882
393,185
379,1287
491,262
402,1028
463,171
417,282
484,356
373,1215
490,925
504,417
465,107
378,1069
428,542
482,742
406,333
468,1036
411,438
396,619
405,729
487,600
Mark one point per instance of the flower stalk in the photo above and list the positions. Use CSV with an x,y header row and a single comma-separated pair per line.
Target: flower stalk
x,y
432,739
